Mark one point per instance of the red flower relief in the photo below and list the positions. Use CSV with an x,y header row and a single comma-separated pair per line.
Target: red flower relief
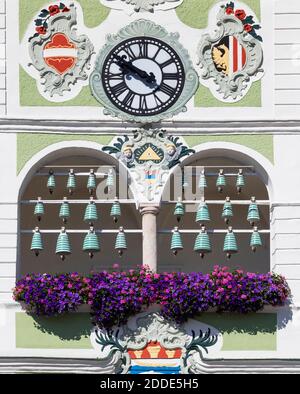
x,y
41,30
66,9
53,9
248,28
229,11
240,14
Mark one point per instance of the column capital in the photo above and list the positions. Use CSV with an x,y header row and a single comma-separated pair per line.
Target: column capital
x,y
148,209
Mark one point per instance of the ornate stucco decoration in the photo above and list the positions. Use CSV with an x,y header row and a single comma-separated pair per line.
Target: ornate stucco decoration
x,y
149,155
231,57
149,343
58,53
144,28
142,5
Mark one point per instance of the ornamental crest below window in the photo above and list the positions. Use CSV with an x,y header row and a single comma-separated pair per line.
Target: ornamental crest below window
x,y
231,57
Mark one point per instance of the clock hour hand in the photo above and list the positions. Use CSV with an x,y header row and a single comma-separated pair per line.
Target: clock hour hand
x,y
129,67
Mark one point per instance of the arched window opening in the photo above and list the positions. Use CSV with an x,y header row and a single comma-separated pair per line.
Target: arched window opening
x,y
187,260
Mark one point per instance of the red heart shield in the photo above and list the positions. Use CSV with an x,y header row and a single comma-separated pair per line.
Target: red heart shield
x,y
60,54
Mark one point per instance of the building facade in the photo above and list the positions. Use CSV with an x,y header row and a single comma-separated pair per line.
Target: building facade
x,y
155,103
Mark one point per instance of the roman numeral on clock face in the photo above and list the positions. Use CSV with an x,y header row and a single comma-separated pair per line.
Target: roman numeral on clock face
x,y
119,89
166,89
128,99
143,49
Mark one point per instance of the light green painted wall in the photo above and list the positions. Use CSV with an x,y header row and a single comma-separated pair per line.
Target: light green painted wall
x,y
30,144
261,143
247,332
204,98
30,96
64,332
253,332
194,13
93,11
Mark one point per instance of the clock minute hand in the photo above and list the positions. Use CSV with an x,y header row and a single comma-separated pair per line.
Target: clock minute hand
x,y
128,66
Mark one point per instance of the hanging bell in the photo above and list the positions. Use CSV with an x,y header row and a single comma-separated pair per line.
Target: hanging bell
x,y
255,241
230,245
110,180
115,211
227,212
71,184
91,184
202,213
176,242
202,184
91,214
179,210
185,183
51,184
37,243
240,181
253,212
202,243
63,247
121,243
39,209
221,181
64,212
91,243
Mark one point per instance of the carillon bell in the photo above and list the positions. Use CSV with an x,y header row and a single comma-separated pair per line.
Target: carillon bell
x,y
202,213
227,212
51,184
64,212
121,244
202,184
91,184
110,180
63,247
176,242
91,243
255,241
240,181
230,245
179,210
253,212
202,243
71,184
221,181
91,214
39,209
37,243
115,211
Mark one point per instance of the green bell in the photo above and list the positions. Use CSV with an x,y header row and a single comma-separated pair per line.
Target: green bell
x,y
110,180
230,245
227,210
64,212
121,243
202,180
91,184
37,243
91,243
176,242
71,184
39,209
91,214
240,181
202,243
202,213
63,247
221,181
253,212
115,211
255,241
51,184
179,210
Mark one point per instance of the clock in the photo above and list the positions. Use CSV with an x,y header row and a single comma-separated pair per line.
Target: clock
x,y
143,74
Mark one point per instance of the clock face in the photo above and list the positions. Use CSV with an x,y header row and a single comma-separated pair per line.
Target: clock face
x,y
143,76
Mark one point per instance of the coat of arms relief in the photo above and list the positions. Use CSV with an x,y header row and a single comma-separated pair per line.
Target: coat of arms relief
x,y
230,55
57,52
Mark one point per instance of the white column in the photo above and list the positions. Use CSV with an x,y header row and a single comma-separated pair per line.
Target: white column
x,y
149,214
